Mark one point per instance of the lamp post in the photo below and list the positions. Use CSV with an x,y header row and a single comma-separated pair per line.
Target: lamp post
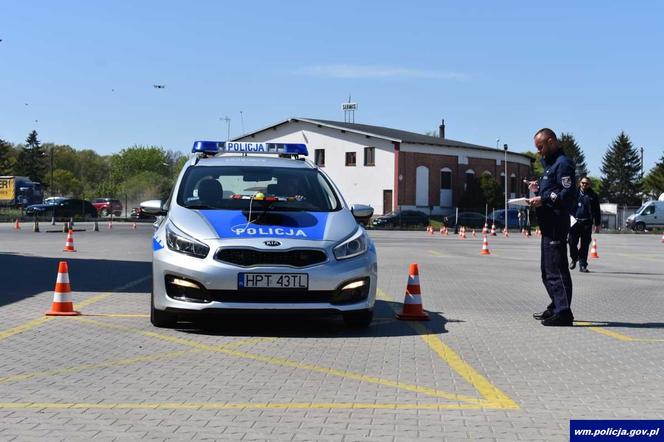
x,y
51,187
505,149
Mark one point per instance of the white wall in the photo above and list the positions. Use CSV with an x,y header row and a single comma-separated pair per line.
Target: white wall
x,y
358,184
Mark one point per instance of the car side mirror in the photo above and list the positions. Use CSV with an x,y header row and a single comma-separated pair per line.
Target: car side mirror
x,y
153,207
362,213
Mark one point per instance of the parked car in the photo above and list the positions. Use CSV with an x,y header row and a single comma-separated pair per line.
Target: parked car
x,y
401,218
139,213
468,219
512,218
68,208
54,200
650,215
107,206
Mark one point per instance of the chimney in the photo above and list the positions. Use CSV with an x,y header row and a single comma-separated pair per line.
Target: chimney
x,y
441,130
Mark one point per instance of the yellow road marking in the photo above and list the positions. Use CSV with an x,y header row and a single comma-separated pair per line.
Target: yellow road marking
x,y
615,335
37,322
436,253
294,364
493,396
24,327
234,406
120,362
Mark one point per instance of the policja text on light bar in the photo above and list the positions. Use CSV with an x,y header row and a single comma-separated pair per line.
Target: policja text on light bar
x,y
216,147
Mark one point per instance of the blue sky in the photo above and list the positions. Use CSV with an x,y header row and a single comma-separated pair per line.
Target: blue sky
x,y
84,70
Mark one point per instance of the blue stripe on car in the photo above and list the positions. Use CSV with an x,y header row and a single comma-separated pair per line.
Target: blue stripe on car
x,y
293,225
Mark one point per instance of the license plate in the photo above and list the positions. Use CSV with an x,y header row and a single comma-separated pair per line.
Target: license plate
x,y
273,281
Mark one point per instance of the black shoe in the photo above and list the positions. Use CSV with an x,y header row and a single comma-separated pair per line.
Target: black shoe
x,y
563,319
543,315
572,265
584,269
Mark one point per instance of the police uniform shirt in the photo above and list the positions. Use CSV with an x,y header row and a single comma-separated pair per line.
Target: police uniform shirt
x,y
587,207
558,192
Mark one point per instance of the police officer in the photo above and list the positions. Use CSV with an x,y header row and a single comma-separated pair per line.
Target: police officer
x,y
555,196
586,213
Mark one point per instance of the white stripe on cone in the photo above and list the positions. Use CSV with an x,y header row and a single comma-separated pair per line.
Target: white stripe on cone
x,y
412,299
63,278
413,280
62,297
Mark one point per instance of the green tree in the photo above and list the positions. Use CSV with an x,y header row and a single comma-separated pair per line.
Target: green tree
x,y
65,183
653,183
137,159
535,157
32,159
573,151
7,159
621,168
492,192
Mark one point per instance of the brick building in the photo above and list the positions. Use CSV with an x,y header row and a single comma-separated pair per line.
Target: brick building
x,y
390,168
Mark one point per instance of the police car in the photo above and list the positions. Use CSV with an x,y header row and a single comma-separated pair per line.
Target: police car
x,y
253,226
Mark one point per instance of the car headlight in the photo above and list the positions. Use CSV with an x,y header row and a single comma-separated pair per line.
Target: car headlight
x,y
356,245
178,241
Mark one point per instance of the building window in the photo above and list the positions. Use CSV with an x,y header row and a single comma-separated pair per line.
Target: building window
x,y
369,156
445,179
319,156
350,158
470,175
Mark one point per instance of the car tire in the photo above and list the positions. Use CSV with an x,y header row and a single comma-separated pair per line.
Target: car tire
x,y
640,227
358,319
160,318
103,213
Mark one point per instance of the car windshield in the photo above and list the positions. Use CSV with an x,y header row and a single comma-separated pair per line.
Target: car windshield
x,y
231,188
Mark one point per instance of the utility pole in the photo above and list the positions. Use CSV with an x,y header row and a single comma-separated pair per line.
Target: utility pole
x,y
505,148
642,163
228,127
242,121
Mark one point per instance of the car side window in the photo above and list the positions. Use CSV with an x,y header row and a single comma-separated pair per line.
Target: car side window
x,y
649,210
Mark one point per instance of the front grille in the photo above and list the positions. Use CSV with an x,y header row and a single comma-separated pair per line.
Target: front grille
x,y
253,257
276,296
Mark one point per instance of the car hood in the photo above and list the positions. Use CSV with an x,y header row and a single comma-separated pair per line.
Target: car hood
x,y
232,225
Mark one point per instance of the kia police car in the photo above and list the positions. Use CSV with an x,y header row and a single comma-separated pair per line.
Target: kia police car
x,y
253,226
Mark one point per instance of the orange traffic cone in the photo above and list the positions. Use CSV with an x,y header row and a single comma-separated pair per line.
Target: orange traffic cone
x,y
462,233
17,225
430,230
593,250
62,301
412,303
447,232
485,247
474,234
493,229
485,229
133,226
110,225
69,244
442,230
506,233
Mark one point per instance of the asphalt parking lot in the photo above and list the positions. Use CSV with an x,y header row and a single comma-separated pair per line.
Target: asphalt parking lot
x,y
482,368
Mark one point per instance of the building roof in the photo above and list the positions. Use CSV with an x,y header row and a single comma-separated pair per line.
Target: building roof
x,y
386,133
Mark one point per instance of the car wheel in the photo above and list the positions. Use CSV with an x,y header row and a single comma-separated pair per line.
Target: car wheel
x,y
160,318
358,319
640,227
103,212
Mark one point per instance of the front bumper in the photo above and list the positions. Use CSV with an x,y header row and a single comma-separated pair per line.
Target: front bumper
x,y
220,282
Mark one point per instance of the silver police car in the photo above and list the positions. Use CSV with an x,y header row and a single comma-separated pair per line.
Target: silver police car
x,y
253,226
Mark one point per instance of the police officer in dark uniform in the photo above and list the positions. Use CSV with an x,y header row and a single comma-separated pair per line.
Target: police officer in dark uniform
x,y
556,195
586,213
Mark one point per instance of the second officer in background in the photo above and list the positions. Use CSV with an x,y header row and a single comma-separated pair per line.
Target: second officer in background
x,y
587,214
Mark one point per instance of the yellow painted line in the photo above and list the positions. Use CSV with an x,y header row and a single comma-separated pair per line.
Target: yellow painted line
x,y
91,300
435,253
492,395
37,322
120,362
234,406
295,364
24,327
615,335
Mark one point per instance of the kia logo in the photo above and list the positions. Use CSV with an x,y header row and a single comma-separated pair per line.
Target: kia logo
x,y
272,243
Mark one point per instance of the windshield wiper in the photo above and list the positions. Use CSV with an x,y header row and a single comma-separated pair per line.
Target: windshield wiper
x,y
199,207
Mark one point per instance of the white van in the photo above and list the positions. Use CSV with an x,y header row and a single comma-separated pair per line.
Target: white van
x,y
649,215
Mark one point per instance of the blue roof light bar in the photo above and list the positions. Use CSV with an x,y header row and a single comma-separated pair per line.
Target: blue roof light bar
x,y
216,147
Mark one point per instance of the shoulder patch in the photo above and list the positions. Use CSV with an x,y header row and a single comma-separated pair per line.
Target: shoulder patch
x,y
566,182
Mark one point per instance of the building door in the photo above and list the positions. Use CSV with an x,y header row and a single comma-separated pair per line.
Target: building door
x,y
387,201
445,187
422,186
